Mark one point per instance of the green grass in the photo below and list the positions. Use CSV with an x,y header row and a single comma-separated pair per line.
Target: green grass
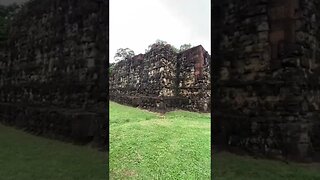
x,y
28,157
145,145
228,166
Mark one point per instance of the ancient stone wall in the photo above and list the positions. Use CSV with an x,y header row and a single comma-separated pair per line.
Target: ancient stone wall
x,y
193,78
162,79
54,70
308,36
266,89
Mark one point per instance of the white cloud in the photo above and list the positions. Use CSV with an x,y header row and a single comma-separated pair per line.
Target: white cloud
x,y
136,24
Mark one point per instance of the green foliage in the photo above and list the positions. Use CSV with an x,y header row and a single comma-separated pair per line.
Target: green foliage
x,y
123,53
160,43
227,166
185,47
156,44
174,49
28,157
146,145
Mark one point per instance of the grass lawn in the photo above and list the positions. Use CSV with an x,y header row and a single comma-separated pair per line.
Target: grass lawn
x,y
145,145
28,157
228,166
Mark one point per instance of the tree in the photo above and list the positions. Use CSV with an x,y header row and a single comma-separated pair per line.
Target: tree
x,y
123,54
185,47
158,43
161,43
175,49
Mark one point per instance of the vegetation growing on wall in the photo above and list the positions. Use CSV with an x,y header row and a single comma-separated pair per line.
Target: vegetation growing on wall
x,y
160,43
123,54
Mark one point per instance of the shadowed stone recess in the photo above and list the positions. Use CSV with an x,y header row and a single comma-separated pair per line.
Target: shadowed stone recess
x,y
53,70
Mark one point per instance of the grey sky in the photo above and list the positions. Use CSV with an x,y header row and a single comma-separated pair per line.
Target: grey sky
x,y
196,13
137,24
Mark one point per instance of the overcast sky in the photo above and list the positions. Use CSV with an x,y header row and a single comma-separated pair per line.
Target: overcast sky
x,y
139,23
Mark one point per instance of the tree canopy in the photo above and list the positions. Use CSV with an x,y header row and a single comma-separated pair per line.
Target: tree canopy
x,y
126,53
185,47
160,43
123,53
